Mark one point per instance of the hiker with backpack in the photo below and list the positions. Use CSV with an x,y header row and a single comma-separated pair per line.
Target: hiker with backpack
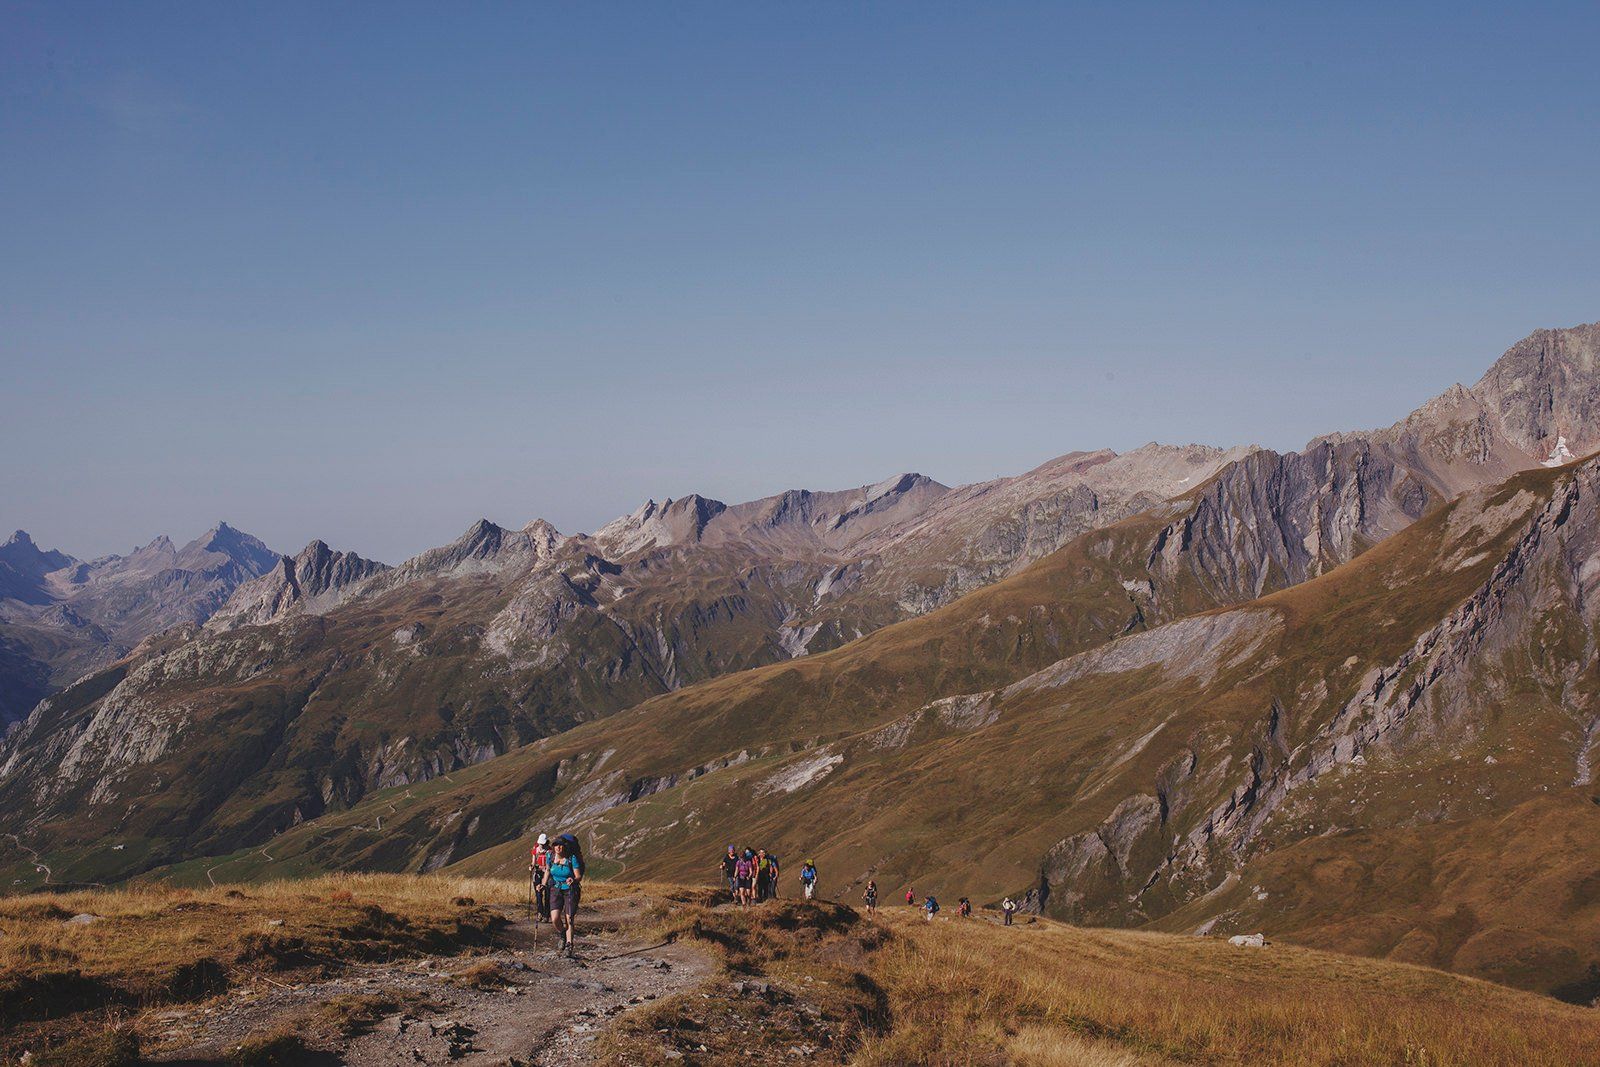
x,y
1008,906
564,879
538,863
763,875
808,878
911,898
870,897
729,863
744,879
930,908
963,908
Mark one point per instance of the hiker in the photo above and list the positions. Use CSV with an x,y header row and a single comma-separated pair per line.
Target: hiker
x,y
870,897
744,879
564,877
774,868
538,863
808,878
911,898
963,908
763,875
930,908
729,862
1008,906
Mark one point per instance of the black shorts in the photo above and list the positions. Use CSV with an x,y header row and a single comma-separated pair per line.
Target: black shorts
x,y
744,883
565,901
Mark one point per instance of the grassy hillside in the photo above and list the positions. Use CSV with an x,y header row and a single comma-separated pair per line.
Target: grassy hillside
x,y
819,977
1049,994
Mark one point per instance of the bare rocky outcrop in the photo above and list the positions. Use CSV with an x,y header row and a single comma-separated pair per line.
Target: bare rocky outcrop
x,y
1546,387
316,580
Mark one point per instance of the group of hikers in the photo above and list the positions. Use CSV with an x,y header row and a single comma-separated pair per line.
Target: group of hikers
x,y
930,904
555,884
752,875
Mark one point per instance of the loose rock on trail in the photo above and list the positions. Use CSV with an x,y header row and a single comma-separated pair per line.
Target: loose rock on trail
x,y
519,1003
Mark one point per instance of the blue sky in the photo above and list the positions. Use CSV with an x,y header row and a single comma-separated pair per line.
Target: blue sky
x,y
368,272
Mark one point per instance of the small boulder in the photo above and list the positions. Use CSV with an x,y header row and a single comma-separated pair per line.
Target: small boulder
x,y
83,918
1249,940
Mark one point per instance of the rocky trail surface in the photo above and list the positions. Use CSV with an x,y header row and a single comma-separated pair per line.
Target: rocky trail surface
x,y
519,1003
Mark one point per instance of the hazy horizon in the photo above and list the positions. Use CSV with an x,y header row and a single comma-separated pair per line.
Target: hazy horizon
x,y
330,273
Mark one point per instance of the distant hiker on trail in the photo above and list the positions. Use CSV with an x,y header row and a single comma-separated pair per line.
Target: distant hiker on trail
x,y
808,878
930,908
729,863
911,897
564,877
1008,906
774,868
870,897
744,879
964,908
538,863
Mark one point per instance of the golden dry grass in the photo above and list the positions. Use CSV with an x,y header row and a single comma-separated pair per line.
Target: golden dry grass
x,y
894,990
1049,994
153,945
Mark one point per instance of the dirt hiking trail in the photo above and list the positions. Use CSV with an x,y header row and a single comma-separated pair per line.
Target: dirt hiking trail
x,y
521,1003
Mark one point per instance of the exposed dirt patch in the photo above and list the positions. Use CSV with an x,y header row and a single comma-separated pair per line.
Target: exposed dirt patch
x,y
518,1002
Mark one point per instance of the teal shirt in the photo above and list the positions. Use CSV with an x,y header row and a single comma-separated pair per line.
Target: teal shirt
x,y
564,873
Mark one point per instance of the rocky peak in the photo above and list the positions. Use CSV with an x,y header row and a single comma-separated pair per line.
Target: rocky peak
x,y
485,547
223,546
23,566
1547,386
20,550
483,538
316,580
675,522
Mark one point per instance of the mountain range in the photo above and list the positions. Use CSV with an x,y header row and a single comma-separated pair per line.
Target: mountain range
x,y
61,618
1346,693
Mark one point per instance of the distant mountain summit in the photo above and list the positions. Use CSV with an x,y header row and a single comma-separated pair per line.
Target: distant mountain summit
x,y
316,579
23,567
62,617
